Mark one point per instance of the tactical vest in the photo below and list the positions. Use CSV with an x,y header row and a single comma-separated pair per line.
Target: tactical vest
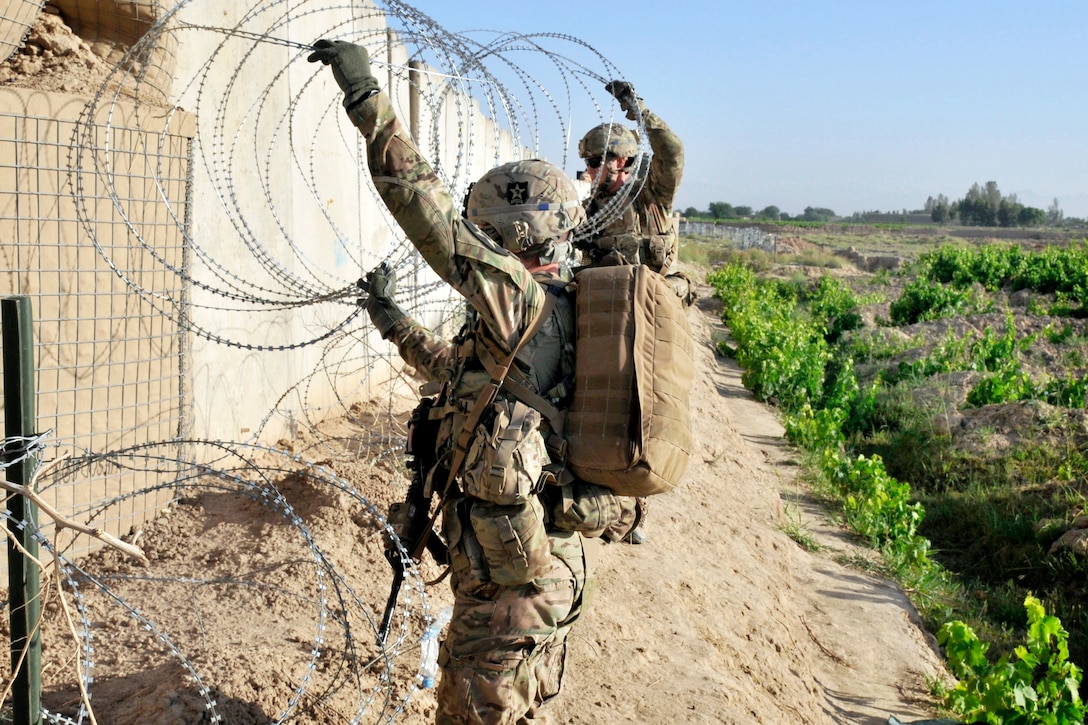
x,y
545,363
652,244
499,531
542,369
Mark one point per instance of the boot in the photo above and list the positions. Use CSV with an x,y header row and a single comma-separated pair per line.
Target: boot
x,y
637,535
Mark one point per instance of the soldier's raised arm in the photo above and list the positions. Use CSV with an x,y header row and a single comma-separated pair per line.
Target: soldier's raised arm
x,y
422,205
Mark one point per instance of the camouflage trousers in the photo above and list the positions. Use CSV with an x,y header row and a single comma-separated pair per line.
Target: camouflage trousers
x,y
505,651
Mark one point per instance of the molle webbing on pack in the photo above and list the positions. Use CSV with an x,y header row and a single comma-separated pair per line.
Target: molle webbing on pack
x,y
629,428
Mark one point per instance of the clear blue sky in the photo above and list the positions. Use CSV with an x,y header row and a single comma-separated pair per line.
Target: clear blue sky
x,y
848,105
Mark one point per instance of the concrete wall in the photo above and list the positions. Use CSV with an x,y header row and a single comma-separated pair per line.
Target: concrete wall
x,y
125,215
344,228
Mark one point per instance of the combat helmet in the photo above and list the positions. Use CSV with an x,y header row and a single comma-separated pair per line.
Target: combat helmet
x,y
526,205
609,138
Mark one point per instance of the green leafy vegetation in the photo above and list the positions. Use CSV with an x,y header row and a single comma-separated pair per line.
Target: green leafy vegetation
x,y
963,511
785,358
1058,270
1036,684
924,300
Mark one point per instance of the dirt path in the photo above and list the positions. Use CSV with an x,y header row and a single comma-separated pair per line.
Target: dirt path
x,y
721,617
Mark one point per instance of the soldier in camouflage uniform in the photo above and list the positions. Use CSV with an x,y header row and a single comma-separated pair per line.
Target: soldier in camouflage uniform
x,y
645,232
519,551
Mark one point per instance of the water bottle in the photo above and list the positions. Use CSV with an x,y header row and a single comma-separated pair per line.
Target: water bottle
x,y
428,645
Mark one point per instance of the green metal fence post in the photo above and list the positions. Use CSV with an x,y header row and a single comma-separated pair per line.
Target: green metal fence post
x,y
24,601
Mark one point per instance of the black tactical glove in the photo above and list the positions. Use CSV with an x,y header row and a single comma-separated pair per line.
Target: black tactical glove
x,y
381,284
350,67
624,93
382,281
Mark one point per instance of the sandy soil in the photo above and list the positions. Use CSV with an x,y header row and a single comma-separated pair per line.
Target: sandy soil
x,y
54,58
722,618
258,608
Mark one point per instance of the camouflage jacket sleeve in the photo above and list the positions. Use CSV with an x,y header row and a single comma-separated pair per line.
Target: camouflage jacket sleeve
x,y
428,353
666,169
493,281
668,163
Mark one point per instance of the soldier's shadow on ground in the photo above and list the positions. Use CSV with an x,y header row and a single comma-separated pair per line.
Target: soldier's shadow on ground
x,y
158,695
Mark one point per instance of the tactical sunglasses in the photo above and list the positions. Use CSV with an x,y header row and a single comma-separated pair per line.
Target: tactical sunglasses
x,y
594,162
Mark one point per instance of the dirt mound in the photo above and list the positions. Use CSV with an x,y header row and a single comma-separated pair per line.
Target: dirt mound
x,y
54,58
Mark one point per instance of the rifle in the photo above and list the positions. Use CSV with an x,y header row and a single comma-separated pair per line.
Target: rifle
x,y
411,519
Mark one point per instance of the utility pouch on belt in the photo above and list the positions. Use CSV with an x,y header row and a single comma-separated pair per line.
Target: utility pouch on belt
x,y
467,560
507,455
657,250
513,540
586,508
629,246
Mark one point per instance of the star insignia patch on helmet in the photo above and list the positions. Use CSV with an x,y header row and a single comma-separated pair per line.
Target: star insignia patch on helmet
x,y
517,192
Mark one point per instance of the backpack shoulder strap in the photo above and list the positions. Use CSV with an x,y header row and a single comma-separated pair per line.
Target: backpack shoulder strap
x,y
517,383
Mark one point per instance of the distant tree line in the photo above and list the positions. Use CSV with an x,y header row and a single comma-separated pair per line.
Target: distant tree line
x,y
981,206
985,206
722,210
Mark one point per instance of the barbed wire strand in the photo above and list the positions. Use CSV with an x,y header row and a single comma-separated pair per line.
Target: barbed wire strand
x,y
257,107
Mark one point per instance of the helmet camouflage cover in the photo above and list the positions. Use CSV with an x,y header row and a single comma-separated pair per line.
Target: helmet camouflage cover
x,y
612,138
527,203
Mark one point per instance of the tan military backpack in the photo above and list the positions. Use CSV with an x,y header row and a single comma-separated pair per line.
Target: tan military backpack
x,y
629,426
